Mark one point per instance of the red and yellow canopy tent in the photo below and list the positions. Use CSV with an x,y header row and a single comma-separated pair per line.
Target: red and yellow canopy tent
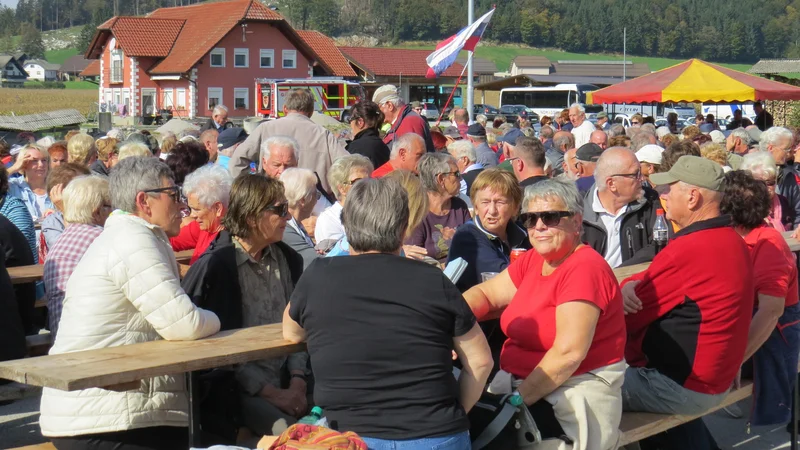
x,y
694,81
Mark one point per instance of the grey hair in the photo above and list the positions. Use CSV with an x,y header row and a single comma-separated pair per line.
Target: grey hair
x,y
461,148
547,132
298,184
210,184
759,162
278,141
743,135
616,130
340,170
219,109
773,135
431,165
641,139
562,189
134,149
481,119
405,142
133,175
565,141
375,215
83,196
578,106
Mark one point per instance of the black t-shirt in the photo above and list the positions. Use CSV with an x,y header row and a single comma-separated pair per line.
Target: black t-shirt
x,y
380,335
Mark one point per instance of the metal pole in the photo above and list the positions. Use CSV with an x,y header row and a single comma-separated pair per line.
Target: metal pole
x,y
624,54
470,81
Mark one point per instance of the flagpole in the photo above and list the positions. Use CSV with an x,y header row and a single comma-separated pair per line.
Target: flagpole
x,y
458,81
470,72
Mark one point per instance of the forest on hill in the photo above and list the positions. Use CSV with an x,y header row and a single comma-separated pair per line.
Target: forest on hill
x,y
717,30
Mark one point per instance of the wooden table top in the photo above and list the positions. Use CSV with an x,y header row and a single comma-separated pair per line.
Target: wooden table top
x,y
125,364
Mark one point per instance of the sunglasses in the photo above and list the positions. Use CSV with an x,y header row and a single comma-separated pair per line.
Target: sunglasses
x,y
280,210
173,191
549,218
636,175
456,173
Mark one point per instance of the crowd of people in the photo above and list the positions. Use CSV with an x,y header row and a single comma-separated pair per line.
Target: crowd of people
x,y
345,243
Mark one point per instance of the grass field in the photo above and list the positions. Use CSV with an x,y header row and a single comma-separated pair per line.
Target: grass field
x,y
77,84
59,56
502,55
32,101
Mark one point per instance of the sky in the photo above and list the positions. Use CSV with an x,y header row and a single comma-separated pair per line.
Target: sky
x,y
12,3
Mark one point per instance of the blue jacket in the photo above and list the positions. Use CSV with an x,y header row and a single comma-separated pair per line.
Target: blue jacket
x,y
483,251
787,186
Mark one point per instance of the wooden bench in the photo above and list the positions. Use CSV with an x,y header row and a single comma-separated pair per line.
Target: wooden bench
x,y
38,344
45,446
15,391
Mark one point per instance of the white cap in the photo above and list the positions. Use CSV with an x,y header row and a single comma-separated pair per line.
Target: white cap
x,y
650,153
717,137
662,131
385,93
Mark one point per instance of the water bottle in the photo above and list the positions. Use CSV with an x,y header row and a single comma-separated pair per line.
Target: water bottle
x,y
660,230
315,418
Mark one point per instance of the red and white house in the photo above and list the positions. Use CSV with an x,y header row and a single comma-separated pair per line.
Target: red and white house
x,y
191,58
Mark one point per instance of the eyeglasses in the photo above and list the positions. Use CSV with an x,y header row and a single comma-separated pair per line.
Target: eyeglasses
x,y
549,218
173,191
352,182
769,183
456,173
280,210
635,176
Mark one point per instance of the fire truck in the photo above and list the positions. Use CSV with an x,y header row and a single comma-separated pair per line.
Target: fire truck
x,y
332,96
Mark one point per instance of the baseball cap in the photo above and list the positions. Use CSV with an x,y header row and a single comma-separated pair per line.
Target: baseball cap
x,y
717,137
452,132
650,153
230,137
602,115
416,104
476,130
385,93
692,170
511,136
589,152
662,131
755,134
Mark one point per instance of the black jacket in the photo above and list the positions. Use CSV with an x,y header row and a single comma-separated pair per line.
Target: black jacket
x,y
636,230
17,253
213,280
12,334
469,178
787,186
211,125
369,143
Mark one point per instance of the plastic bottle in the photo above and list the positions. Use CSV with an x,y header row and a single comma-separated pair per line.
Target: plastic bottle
x,y
660,230
315,418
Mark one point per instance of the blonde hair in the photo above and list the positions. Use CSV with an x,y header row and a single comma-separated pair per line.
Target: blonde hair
x,y
81,148
690,132
417,198
168,143
106,146
25,150
714,152
491,138
500,181
133,149
71,134
83,196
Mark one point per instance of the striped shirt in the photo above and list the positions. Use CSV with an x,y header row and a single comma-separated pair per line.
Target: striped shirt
x,y
15,211
61,262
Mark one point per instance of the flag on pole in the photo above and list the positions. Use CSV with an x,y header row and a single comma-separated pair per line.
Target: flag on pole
x,y
447,51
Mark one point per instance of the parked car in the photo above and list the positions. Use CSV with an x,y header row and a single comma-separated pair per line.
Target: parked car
x,y
488,110
429,111
512,111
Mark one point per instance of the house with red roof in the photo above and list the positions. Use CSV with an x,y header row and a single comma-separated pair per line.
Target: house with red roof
x,y
189,59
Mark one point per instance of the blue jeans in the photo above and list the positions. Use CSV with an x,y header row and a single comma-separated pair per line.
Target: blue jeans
x,y
458,441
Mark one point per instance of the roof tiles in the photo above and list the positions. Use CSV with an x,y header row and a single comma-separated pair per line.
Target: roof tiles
x,y
145,36
327,51
92,70
393,62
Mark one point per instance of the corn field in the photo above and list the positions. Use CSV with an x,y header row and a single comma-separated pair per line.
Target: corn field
x,y
31,101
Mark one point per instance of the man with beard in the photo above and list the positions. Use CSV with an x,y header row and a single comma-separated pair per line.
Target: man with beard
x,y
619,213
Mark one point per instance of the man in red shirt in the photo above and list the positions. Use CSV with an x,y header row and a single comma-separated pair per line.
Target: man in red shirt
x,y
406,153
400,115
688,316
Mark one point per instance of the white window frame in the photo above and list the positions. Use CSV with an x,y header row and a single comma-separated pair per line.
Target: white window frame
x,y
212,92
180,99
214,52
241,93
117,57
266,52
167,94
241,52
289,54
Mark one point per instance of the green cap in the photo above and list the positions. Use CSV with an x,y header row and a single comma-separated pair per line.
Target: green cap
x,y
692,170
316,411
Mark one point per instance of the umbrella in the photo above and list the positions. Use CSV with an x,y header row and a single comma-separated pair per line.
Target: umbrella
x,y
694,81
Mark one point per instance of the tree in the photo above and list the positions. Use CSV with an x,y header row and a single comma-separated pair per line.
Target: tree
x,y
85,38
32,43
7,43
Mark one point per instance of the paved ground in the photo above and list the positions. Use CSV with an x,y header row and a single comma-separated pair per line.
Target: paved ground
x,y
19,426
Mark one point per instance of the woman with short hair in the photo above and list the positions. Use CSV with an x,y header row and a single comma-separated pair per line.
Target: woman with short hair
x,y
762,167
133,149
185,158
446,212
404,318
562,311
365,118
126,290
82,149
344,172
58,154
31,188
107,155
207,192
773,341
300,186
87,204
53,222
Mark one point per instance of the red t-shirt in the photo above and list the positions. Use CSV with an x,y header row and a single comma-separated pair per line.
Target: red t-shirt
x,y
192,237
530,320
383,170
774,269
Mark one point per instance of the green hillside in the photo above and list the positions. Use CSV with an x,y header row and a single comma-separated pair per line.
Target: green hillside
x,y
59,56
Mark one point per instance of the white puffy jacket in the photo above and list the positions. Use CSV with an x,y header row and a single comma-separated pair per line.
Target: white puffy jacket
x,y
125,290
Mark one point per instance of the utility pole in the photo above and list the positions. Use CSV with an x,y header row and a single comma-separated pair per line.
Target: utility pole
x,y
624,56
470,82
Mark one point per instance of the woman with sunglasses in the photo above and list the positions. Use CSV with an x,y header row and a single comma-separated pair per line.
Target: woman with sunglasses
x,y
561,309
126,290
763,168
365,118
246,276
344,172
